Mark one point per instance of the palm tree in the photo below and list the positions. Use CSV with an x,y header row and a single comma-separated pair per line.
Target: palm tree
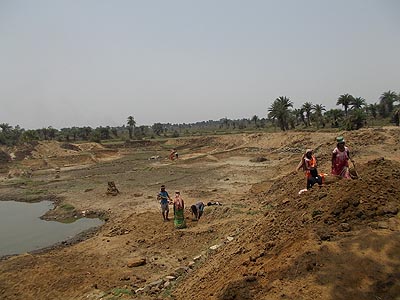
x,y
65,133
356,120
386,102
30,135
308,107
279,110
158,128
131,125
51,132
224,122
255,120
299,114
334,115
75,132
143,130
85,132
292,119
372,109
5,127
44,133
114,131
396,112
318,109
396,116
358,103
345,100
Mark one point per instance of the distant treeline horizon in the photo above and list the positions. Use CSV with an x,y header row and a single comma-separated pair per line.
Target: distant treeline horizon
x,y
354,114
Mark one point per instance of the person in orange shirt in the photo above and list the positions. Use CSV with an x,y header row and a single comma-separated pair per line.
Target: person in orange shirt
x,y
309,164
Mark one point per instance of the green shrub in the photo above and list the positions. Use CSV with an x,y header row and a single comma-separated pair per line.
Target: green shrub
x,y
67,206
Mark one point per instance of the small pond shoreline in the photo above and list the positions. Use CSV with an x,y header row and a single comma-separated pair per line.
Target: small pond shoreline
x,y
80,237
62,213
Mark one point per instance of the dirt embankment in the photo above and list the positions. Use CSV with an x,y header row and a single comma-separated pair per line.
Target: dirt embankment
x,y
338,242
36,156
341,241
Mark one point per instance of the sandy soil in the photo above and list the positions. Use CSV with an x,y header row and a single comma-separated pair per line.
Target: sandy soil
x,y
341,241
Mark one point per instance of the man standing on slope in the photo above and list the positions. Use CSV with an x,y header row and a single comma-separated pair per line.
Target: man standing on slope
x,y
164,199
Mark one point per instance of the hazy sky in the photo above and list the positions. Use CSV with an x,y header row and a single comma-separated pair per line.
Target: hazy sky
x,y
67,63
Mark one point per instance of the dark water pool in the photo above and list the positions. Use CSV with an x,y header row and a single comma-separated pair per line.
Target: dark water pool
x,y
22,230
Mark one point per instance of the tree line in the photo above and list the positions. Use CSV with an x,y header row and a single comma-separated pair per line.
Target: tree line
x,y
13,135
354,113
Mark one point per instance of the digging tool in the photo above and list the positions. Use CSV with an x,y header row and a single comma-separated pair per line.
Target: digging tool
x,y
355,169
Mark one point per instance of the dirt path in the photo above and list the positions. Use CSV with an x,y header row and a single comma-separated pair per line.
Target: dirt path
x,y
272,243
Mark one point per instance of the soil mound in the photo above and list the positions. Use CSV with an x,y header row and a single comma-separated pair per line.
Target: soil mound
x,y
90,146
52,149
70,147
340,241
209,142
52,154
24,151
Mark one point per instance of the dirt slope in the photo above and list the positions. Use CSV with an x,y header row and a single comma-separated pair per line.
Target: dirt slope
x,y
340,241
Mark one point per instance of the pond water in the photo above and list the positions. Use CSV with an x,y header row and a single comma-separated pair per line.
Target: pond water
x,y
22,230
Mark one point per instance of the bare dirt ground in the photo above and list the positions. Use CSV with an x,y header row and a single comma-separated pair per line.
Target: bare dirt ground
x,y
341,241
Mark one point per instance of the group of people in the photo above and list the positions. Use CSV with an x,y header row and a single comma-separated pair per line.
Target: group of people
x,y
340,164
179,207
340,168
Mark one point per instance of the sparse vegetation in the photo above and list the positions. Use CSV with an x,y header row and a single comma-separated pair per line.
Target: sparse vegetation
x,y
67,207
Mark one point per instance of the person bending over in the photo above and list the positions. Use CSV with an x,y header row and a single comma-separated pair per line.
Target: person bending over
x,y
197,210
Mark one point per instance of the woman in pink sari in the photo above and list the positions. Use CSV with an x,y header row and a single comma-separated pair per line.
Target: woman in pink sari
x,y
340,159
